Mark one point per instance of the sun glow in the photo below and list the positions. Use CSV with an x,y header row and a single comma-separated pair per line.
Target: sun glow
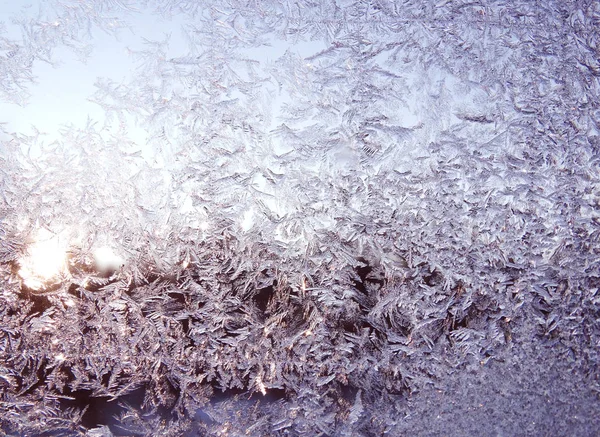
x,y
106,260
46,259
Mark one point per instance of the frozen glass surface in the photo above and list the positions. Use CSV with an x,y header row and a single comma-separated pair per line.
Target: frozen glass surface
x,y
299,217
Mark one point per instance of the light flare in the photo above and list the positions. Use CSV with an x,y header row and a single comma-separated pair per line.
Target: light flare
x,y
46,260
106,260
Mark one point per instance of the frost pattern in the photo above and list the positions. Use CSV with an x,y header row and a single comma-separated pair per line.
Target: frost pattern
x,y
314,238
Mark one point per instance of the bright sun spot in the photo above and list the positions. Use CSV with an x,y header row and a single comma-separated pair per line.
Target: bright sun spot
x,y
46,259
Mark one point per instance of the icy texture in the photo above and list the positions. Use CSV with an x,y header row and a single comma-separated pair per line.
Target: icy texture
x,y
315,239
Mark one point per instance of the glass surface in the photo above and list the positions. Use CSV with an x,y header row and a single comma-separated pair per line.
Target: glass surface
x,y
332,218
